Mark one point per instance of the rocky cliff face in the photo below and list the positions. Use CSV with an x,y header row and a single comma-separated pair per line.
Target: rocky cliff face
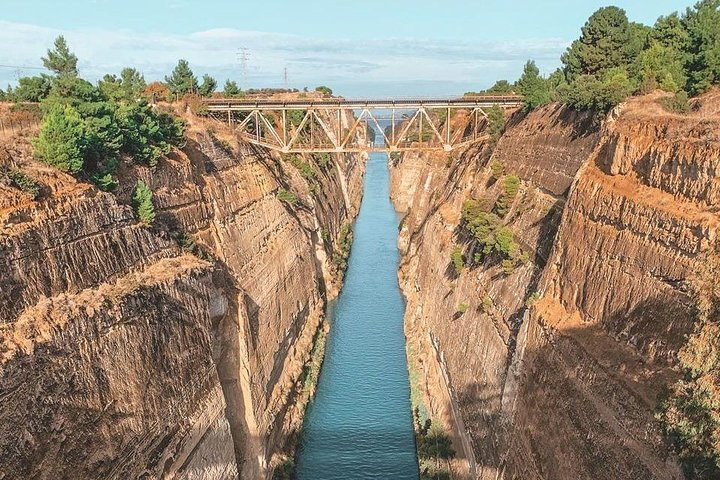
x,y
553,370
123,354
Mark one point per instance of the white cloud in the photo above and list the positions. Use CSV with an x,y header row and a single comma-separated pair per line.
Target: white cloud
x,y
420,62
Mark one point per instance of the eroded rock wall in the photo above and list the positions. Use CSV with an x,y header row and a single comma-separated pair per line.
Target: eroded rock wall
x,y
553,371
126,356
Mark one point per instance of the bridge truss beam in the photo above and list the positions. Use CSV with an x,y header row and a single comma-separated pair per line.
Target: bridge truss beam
x,y
347,127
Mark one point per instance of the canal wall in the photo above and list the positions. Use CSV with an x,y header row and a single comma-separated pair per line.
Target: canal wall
x,y
174,351
551,368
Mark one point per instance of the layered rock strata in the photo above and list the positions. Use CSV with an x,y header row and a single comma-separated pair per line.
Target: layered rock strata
x,y
553,370
173,351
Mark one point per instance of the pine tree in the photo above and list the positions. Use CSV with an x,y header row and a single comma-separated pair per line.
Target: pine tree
x,y
132,84
703,26
142,203
61,60
62,140
231,89
182,80
606,41
533,87
32,89
208,86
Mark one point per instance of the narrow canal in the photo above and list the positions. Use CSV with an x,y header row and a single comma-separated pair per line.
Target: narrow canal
x,y
360,424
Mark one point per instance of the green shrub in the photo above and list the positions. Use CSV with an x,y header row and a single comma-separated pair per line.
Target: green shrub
x,y
311,371
306,170
342,249
496,122
188,243
62,142
533,299
508,266
182,80
510,190
487,304
295,117
286,196
690,412
456,257
497,169
488,230
462,308
105,183
677,103
142,203
208,86
324,90
599,93
323,159
231,89
25,183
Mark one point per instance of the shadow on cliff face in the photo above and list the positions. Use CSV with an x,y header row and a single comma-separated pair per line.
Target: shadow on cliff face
x,y
584,410
657,326
481,405
549,225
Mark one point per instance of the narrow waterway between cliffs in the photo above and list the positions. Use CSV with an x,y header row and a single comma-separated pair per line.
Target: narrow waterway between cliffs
x,y
359,425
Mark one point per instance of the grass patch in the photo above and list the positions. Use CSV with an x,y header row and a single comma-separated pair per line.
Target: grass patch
x,y
287,197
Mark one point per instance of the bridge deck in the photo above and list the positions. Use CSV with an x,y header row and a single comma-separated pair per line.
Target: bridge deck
x,y
224,104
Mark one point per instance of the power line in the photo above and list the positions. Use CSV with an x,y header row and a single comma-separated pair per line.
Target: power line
x,y
23,67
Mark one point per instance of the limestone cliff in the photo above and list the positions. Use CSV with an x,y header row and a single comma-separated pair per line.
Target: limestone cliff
x,y
123,354
553,370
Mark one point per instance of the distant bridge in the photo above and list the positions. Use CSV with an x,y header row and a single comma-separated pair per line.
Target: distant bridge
x,y
387,125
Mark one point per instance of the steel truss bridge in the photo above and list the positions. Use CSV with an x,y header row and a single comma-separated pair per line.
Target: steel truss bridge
x,y
346,126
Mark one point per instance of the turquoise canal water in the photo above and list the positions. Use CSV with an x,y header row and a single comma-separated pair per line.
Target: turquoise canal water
x,y
360,424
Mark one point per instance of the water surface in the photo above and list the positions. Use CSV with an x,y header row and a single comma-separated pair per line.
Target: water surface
x,y
360,424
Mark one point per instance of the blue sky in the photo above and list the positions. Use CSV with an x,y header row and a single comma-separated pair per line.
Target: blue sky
x,y
359,47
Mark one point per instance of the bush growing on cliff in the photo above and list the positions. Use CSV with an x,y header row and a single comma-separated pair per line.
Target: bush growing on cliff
x,y
677,103
691,412
434,446
342,250
322,159
287,197
142,203
491,235
86,129
63,140
497,169
456,257
24,182
510,190
496,122
311,371
285,470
